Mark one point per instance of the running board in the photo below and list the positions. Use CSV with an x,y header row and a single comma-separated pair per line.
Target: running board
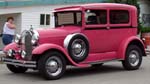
x,y
98,62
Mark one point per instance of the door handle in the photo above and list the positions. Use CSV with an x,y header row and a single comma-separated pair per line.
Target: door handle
x,y
107,28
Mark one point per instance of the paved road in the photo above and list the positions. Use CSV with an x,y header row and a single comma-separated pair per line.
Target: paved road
x,y
110,73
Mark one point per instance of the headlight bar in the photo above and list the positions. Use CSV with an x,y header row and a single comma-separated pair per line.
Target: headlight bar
x,y
35,37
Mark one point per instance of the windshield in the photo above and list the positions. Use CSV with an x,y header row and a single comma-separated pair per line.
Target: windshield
x,y
68,18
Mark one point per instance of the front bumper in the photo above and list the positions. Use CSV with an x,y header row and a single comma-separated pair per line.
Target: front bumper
x,y
22,63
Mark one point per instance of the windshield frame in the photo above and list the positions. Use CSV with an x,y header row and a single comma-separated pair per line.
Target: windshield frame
x,y
75,19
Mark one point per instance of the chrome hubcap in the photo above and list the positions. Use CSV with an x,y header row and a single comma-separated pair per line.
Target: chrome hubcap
x,y
78,48
134,58
54,66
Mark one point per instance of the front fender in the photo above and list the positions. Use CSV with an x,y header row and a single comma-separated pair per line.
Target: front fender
x,y
44,47
124,45
12,46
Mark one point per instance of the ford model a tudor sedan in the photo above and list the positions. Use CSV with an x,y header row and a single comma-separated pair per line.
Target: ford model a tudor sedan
x,y
86,35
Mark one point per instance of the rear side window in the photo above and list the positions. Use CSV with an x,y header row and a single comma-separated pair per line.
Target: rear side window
x,y
93,17
119,17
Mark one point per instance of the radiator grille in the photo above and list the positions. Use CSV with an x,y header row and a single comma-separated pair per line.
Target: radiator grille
x,y
28,45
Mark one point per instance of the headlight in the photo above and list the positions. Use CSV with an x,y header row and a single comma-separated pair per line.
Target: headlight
x,y
17,38
23,54
10,53
35,38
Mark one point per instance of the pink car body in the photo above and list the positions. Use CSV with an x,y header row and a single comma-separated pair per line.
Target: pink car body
x,y
107,42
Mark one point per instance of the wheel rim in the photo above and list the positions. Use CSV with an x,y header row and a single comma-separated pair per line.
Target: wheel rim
x,y
54,66
134,58
78,48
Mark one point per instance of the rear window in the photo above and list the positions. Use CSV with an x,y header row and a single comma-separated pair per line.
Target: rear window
x,y
119,17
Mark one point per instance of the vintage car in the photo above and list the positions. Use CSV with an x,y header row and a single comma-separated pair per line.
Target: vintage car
x,y
85,35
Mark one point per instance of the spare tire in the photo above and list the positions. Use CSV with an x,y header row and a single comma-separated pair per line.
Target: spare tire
x,y
78,48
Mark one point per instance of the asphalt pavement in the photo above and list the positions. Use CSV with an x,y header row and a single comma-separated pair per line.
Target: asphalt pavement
x,y
110,73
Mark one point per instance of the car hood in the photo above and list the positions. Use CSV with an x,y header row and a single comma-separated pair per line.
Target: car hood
x,y
58,32
55,34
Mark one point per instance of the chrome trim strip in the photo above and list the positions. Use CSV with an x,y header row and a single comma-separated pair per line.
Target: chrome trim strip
x,y
28,64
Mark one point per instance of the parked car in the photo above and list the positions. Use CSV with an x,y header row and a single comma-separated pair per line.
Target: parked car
x,y
85,35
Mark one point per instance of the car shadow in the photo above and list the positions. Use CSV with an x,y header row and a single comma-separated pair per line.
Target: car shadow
x,y
75,72
72,72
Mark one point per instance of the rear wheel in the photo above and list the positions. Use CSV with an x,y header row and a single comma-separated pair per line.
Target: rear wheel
x,y
133,58
16,69
52,65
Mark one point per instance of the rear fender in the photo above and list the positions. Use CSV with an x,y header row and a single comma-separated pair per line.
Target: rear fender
x,y
45,47
124,45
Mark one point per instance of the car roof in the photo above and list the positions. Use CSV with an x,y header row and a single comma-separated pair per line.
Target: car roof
x,y
97,6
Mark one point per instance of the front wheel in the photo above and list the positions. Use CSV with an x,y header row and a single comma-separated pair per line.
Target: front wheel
x,y
16,69
52,65
133,58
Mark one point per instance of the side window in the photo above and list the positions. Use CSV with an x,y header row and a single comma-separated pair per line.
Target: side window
x,y
119,17
45,19
79,18
68,18
93,17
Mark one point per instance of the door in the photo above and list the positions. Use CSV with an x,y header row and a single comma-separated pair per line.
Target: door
x,y
120,28
96,30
